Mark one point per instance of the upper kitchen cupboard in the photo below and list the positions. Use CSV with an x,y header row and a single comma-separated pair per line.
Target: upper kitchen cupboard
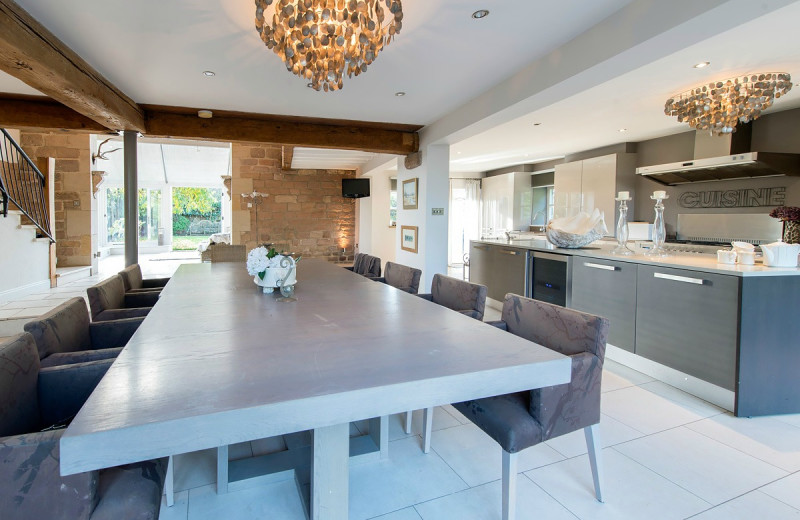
x,y
594,183
506,202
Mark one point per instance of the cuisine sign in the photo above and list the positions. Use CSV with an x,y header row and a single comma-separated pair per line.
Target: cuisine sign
x,y
744,198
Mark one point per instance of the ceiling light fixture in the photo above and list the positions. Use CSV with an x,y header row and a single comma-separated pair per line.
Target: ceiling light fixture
x,y
209,73
399,94
702,65
321,40
623,130
205,114
480,13
537,124
718,106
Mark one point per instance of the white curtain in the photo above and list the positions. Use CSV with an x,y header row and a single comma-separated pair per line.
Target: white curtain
x,y
465,218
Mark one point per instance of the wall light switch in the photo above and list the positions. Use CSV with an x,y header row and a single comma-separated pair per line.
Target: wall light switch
x,y
437,211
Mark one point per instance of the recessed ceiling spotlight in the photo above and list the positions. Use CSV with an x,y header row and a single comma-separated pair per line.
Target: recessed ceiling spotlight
x,y
310,85
209,73
702,65
537,124
480,13
399,94
623,129
205,114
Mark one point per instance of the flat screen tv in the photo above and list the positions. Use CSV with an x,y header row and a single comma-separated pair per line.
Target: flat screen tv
x,y
355,188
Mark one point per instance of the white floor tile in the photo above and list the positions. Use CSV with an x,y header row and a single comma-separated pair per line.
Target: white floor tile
x,y
441,420
750,506
280,501
793,419
787,490
178,511
611,432
680,397
195,469
645,411
408,513
485,503
616,376
714,472
9,313
765,438
408,477
477,458
449,408
630,490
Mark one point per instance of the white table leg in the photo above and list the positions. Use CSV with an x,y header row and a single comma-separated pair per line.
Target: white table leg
x,y
427,429
222,470
407,427
169,482
329,472
379,431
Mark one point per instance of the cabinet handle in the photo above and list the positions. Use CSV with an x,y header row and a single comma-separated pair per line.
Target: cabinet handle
x,y
601,266
482,248
675,278
507,252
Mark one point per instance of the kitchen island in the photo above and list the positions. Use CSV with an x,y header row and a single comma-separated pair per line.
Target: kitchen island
x,y
729,334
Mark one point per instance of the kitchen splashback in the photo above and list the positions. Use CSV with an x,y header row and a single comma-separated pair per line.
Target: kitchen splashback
x,y
745,227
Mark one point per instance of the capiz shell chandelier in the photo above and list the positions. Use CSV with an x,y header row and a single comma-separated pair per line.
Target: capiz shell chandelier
x,y
320,40
718,106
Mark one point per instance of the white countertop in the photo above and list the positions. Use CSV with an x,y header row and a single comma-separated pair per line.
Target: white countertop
x,y
691,261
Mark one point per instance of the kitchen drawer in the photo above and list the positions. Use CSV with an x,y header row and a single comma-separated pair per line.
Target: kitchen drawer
x,y
510,272
479,263
688,320
607,288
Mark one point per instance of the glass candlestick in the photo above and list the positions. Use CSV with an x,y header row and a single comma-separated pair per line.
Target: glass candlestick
x,y
659,230
622,229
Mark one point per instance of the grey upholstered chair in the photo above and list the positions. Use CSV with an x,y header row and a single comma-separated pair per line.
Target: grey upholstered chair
x,y
366,265
133,282
64,335
464,297
401,276
108,301
520,420
34,406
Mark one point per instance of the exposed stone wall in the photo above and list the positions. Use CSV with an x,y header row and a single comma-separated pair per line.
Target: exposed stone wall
x,y
73,191
304,213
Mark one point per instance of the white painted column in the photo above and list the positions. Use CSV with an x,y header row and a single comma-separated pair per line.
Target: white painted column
x,y
433,193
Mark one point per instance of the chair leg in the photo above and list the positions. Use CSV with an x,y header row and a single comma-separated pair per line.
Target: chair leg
x,y
509,485
408,421
593,444
169,482
427,430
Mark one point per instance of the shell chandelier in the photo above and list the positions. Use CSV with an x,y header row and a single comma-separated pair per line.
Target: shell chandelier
x,y
321,40
718,106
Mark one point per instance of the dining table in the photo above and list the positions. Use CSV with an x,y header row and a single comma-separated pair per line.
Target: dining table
x,y
218,362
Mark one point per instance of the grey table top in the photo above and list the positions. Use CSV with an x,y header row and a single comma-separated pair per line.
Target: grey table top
x,y
217,362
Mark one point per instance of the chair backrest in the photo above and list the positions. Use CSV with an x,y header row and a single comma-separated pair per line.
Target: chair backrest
x,y
131,277
225,253
563,408
564,330
63,329
371,266
19,374
109,294
402,277
459,295
358,262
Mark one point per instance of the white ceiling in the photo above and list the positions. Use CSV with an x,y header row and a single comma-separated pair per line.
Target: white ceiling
x,y
446,62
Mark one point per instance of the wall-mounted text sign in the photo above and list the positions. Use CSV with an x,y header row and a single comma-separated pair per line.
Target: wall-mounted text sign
x,y
744,198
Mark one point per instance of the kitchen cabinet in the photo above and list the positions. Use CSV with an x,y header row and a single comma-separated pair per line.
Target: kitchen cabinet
x,y
594,183
501,269
688,321
607,288
506,203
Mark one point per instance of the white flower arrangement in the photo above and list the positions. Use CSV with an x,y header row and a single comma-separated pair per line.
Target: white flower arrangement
x,y
271,269
262,258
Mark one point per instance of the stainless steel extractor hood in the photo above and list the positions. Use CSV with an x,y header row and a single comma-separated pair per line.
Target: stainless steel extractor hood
x,y
712,162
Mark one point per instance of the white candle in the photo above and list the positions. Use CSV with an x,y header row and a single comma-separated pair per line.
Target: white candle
x,y
624,195
659,194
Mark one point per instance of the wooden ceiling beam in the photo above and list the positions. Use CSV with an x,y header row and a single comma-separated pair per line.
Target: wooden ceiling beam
x,y
43,113
31,53
282,130
287,153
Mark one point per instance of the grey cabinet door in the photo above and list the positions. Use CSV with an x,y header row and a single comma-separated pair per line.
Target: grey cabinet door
x,y
508,276
479,263
607,288
688,320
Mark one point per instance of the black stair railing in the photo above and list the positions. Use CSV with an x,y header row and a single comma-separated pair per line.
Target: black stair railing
x,y
23,185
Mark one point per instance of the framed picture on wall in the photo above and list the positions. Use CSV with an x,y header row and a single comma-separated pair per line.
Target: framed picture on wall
x,y
410,193
408,238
